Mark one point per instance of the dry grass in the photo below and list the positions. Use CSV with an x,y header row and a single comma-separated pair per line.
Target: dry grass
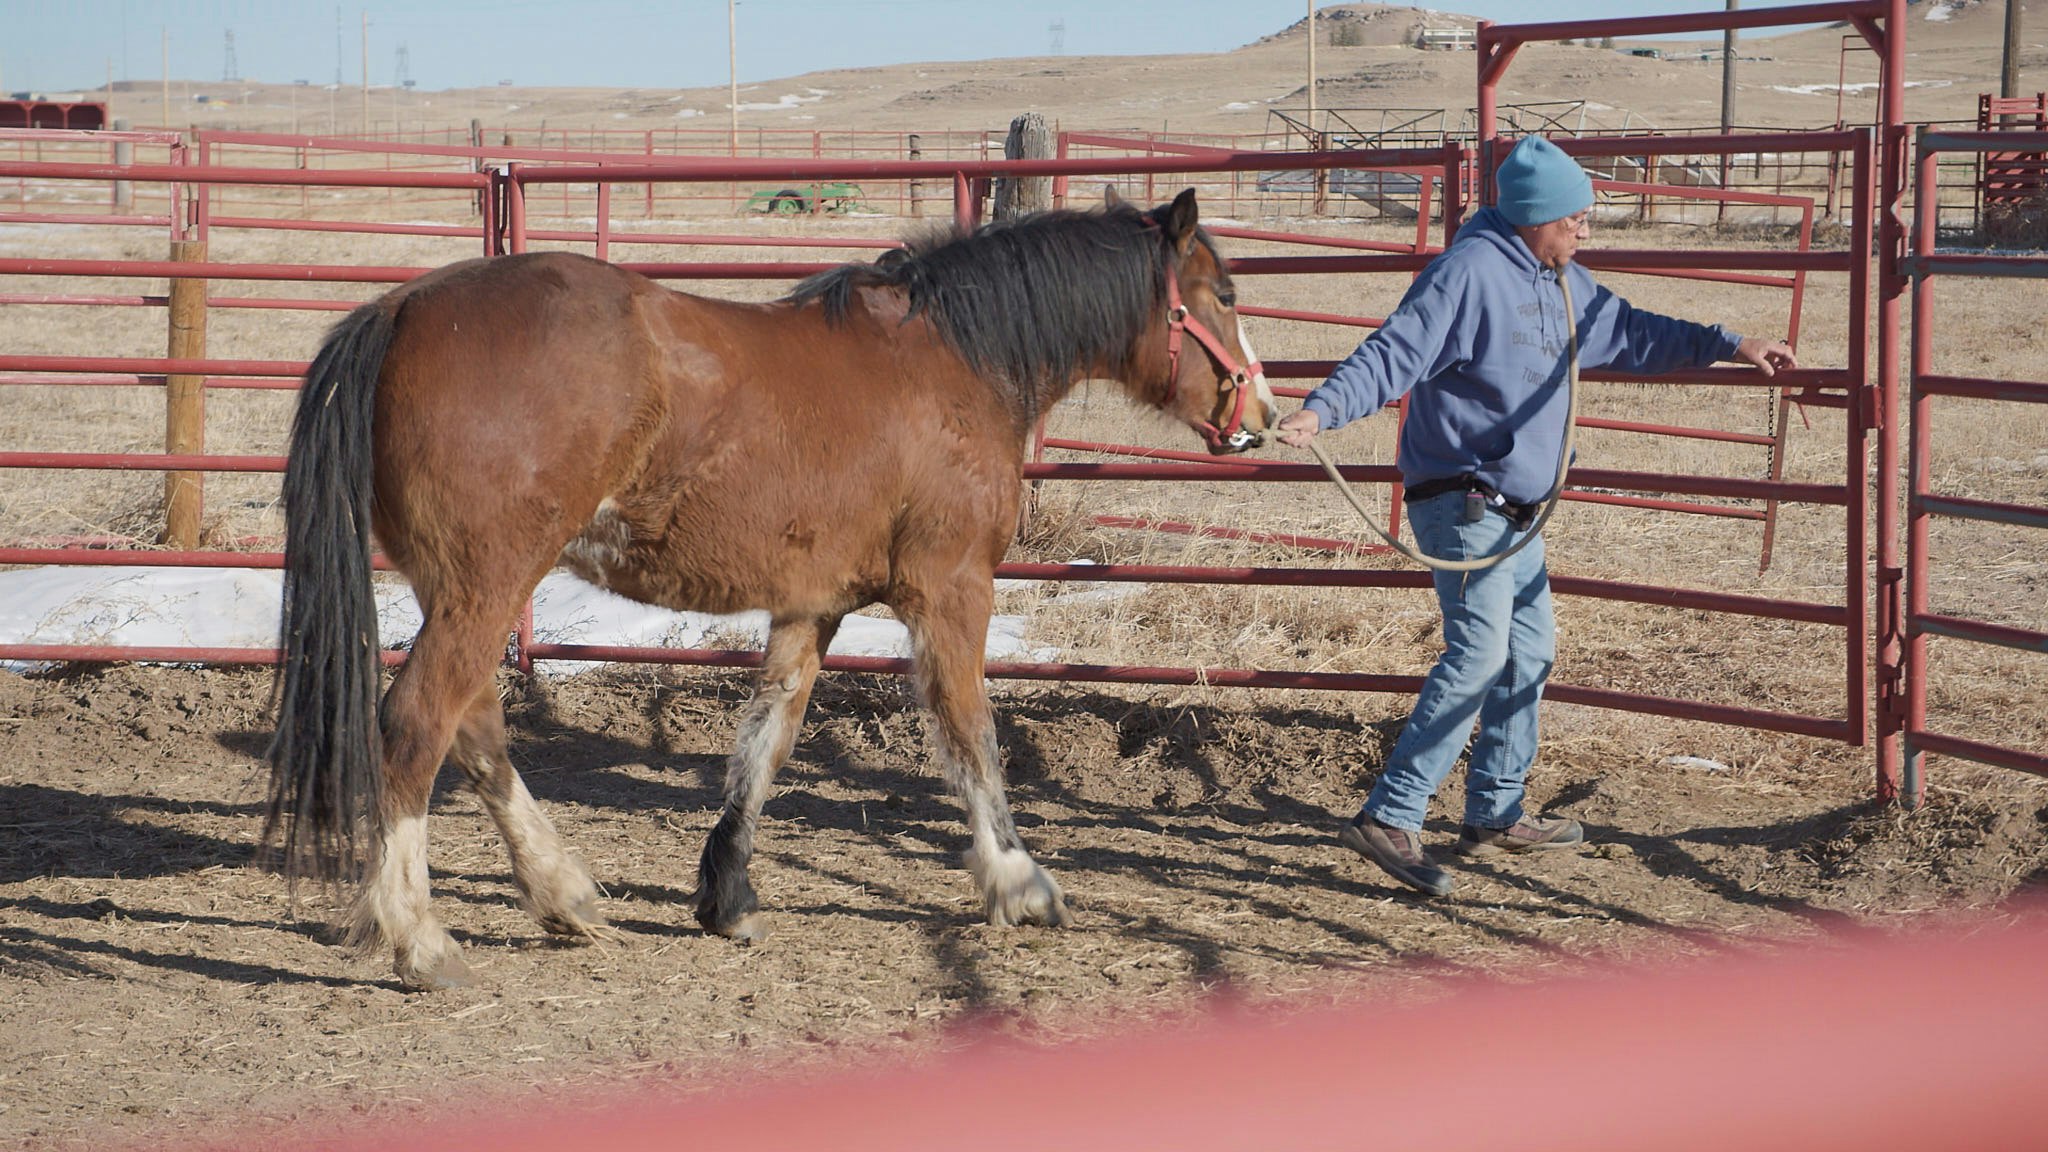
x,y
2018,224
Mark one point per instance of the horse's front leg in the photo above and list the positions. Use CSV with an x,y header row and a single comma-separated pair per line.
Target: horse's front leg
x,y
725,898
949,636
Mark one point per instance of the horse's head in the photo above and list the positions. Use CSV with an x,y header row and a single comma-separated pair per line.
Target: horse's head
x,y
1214,382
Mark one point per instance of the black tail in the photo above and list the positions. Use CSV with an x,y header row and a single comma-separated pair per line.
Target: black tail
x,y
325,761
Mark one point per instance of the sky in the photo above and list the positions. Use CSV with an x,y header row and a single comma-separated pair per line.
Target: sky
x,y
55,45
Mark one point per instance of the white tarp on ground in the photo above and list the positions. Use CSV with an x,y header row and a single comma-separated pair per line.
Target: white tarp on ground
x,y
237,608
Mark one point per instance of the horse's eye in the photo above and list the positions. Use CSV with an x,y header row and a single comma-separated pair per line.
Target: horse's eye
x,y
1227,299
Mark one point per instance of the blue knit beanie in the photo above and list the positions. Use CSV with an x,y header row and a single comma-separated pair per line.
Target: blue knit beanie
x,y
1539,183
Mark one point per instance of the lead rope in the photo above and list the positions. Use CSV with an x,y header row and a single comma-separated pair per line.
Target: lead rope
x,y
1564,464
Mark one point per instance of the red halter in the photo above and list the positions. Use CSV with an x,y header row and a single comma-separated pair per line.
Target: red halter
x,y
1178,321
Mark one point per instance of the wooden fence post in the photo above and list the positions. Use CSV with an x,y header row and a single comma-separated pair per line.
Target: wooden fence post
x,y
916,190
1029,139
476,162
185,402
124,155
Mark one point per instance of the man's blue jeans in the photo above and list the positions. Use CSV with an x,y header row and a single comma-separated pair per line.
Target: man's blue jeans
x,y
1499,644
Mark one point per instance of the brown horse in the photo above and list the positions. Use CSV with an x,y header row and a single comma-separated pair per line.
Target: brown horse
x,y
860,441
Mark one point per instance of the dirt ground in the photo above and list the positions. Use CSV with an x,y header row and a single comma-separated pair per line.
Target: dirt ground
x,y
155,983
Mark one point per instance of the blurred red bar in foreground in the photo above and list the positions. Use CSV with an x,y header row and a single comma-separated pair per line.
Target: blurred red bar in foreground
x,y
1865,1041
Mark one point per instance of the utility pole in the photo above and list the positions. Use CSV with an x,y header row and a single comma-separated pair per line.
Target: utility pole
x,y
167,76
1727,105
2009,69
1310,125
366,72
1728,74
732,60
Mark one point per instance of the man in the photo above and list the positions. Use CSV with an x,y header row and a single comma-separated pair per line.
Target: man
x,y
1480,339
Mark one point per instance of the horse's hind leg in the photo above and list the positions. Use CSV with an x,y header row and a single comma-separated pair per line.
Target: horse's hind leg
x,y
948,635
553,885
725,898
450,663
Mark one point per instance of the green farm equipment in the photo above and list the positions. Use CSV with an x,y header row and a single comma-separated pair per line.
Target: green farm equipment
x,y
838,196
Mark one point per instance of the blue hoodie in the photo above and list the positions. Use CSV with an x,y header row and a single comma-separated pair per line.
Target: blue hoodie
x,y
1480,338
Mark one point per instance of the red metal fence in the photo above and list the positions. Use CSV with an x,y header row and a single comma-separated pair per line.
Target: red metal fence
x,y
2013,177
1922,623
512,189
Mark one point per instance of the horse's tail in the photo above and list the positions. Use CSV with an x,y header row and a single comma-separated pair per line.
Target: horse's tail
x,y
326,775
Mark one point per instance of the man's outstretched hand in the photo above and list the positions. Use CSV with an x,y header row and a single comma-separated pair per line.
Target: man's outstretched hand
x,y
1299,428
1767,355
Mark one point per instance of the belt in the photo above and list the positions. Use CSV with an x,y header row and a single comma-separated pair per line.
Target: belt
x,y
1521,515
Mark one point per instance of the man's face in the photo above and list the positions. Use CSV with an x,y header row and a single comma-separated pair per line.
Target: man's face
x,y
1555,243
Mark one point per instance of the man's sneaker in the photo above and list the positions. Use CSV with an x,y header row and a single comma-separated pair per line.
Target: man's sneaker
x,y
1529,834
1397,851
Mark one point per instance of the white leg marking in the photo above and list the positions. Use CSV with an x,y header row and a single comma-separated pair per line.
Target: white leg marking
x,y
554,887
394,908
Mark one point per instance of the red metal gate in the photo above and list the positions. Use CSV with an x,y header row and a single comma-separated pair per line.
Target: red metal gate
x,y
1921,622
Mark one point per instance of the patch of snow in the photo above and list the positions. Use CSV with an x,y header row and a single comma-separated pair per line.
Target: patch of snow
x,y
1851,89
688,113
787,100
238,608
1700,762
1939,12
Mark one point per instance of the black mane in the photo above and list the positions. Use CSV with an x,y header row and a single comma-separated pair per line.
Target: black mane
x,y
1030,303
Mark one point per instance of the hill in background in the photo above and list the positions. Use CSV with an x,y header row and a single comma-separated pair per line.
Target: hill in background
x,y
1365,60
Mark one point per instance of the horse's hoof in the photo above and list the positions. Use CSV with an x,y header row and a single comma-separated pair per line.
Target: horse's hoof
x,y
583,919
445,974
1037,901
749,929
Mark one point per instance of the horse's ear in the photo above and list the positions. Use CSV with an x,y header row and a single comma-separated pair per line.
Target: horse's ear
x,y
1181,217
1110,200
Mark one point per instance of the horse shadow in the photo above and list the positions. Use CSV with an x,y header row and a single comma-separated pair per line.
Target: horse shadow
x,y
86,835
1252,829
1176,739
48,948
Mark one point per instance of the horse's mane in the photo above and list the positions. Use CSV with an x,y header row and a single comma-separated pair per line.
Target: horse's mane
x,y
1028,302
